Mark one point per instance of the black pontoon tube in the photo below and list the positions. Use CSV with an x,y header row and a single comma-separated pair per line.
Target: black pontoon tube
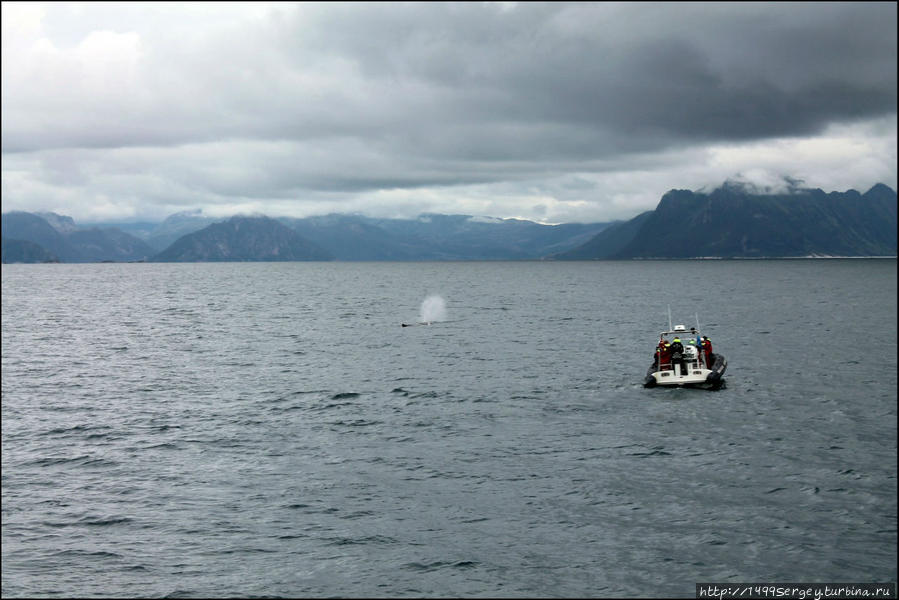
x,y
719,365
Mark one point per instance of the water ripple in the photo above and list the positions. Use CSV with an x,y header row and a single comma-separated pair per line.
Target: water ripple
x,y
268,430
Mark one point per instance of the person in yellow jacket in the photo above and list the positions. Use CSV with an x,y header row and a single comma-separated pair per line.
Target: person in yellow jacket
x,y
677,355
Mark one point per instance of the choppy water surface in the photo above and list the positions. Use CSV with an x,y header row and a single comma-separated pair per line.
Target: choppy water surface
x,y
209,430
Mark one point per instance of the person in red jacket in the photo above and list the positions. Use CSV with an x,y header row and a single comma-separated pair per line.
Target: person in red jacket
x,y
663,354
707,350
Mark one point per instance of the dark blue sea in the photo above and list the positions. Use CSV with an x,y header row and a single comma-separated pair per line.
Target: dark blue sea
x,y
271,430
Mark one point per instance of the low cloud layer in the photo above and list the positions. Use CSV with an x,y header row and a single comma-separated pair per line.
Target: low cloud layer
x,y
554,112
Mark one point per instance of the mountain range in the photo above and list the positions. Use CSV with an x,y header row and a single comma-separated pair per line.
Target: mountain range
x,y
62,238
191,237
732,221
243,239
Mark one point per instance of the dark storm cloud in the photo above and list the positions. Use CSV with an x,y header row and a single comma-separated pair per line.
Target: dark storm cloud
x,y
629,76
256,100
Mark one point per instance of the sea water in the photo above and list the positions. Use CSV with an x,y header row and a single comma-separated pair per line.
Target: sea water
x,y
270,429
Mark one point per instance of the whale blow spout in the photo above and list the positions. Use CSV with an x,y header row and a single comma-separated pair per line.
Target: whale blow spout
x,y
433,309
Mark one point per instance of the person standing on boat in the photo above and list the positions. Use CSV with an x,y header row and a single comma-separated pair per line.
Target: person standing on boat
x,y
677,355
693,354
707,350
663,353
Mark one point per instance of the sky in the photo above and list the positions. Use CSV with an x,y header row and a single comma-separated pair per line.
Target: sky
x,y
555,112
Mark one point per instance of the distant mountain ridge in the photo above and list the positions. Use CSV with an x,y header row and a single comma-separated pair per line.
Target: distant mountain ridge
x,y
59,236
177,225
735,222
243,239
732,221
337,236
22,251
32,228
440,237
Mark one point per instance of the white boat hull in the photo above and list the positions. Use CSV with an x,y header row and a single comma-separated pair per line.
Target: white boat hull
x,y
675,377
693,376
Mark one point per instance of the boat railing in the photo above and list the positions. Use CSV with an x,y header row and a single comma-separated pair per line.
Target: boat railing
x,y
697,361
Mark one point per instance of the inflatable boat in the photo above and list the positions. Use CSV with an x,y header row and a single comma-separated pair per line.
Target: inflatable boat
x,y
688,364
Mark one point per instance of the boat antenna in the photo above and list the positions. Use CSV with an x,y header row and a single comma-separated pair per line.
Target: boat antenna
x,y
698,329
670,326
